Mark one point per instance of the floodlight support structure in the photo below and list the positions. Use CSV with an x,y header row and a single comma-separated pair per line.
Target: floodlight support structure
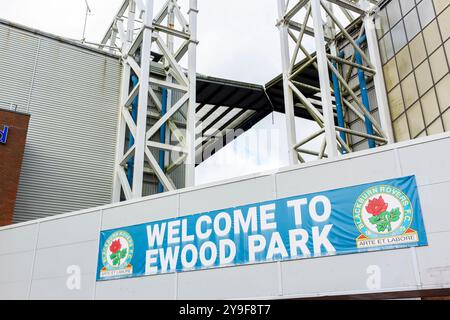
x,y
293,19
135,49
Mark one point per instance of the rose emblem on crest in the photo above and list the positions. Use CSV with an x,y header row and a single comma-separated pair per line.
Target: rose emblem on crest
x,y
116,253
382,210
381,216
118,250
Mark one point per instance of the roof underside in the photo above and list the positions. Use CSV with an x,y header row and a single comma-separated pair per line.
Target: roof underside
x,y
308,76
257,100
229,94
226,106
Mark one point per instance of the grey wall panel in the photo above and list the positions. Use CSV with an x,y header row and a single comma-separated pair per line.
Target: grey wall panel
x,y
434,260
162,208
79,228
72,94
425,161
57,289
154,287
348,273
228,195
405,269
18,239
321,177
251,281
14,290
16,267
436,213
53,262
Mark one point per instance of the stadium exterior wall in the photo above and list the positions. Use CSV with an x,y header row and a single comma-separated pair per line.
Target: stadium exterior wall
x,y
72,94
35,255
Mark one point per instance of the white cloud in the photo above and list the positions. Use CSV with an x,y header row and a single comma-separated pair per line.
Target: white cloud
x,y
238,39
242,157
64,18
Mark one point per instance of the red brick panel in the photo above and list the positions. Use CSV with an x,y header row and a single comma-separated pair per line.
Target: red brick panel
x,y
11,155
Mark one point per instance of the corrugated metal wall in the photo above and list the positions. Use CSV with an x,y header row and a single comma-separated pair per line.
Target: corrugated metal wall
x,y
18,52
72,95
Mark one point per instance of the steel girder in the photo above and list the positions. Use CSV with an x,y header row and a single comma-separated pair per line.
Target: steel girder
x,y
136,33
294,25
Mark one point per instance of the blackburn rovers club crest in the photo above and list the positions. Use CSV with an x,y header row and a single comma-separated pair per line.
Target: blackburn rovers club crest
x,y
117,253
383,215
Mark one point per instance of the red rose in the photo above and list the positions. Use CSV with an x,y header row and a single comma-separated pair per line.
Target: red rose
x,y
376,206
115,246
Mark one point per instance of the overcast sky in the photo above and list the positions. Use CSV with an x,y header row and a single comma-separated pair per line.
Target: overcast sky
x,y
238,40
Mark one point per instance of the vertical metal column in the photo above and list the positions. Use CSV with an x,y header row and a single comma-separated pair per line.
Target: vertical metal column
x,y
134,105
324,77
192,75
141,124
331,34
378,79
338,98
167,94
288,96
363,90
135,49
125,88
162,133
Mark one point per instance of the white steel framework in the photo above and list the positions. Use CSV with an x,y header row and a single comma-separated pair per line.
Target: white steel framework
x,y
294,25
137,32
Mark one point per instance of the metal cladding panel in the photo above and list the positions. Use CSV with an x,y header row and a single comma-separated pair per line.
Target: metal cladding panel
x,y
435,268
430,196
178,175
162,287
22,262
14,290
243,282
400,270
74,94
60,232
423,161
18,239
83,255
18,53
161,208
342,173
257,189
40,289
179,116
347,274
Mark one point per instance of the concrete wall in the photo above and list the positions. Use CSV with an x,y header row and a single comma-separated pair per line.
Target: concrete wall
x,y
34,256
